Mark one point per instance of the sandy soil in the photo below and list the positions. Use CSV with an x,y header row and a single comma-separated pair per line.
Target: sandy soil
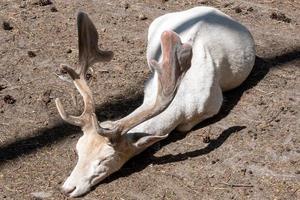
x,y
250,150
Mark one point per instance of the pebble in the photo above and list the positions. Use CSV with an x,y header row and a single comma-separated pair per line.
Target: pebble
x,y
23,4
6,26
126,5
53,9
280,17
237,9
41,195
206,139
142,17
9,99
31,54
2,87
250,9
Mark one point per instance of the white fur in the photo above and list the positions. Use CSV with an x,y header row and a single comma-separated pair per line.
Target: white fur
x,y
94,164
223,57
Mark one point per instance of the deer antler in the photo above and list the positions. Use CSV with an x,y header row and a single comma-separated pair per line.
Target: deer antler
x,y
176,61
89,53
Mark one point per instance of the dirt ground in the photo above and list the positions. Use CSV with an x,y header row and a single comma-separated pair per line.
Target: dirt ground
x,y
250,150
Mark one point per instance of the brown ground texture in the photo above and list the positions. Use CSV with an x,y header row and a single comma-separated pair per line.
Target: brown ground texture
x,y
250,150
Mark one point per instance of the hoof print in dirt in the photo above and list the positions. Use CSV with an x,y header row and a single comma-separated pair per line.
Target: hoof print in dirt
x,y
6,26
9,99
280,17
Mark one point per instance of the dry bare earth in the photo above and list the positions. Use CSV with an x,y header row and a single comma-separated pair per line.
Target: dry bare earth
x,y
253,149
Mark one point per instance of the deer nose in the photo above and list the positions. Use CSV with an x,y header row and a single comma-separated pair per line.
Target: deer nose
x,y
68,190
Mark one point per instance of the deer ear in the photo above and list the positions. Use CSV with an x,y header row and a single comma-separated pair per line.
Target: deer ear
x,y
89,52
142,140
184,56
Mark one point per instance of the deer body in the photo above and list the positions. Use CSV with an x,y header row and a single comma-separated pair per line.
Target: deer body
x,y
223,57
200,52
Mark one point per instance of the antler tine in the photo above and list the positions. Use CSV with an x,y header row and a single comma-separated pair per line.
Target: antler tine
x,y
169,75
89,53
81,85
70,119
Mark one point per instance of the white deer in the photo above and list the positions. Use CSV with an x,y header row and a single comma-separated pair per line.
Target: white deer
x,y
201,52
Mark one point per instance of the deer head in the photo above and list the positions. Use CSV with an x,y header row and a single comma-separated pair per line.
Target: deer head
x,y
103,149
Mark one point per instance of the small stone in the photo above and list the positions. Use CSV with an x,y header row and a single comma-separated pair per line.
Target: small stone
x,y
126,5
250,9
297,172
237,10
243,171
6,26
9,99
2,87
88,76
23,4
227,4
142,17
69,51
280,17
53,9
288,149
203,2
206,139
103,30
41,195
31,54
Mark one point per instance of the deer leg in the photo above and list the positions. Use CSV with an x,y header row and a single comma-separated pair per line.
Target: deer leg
x,y
214,103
